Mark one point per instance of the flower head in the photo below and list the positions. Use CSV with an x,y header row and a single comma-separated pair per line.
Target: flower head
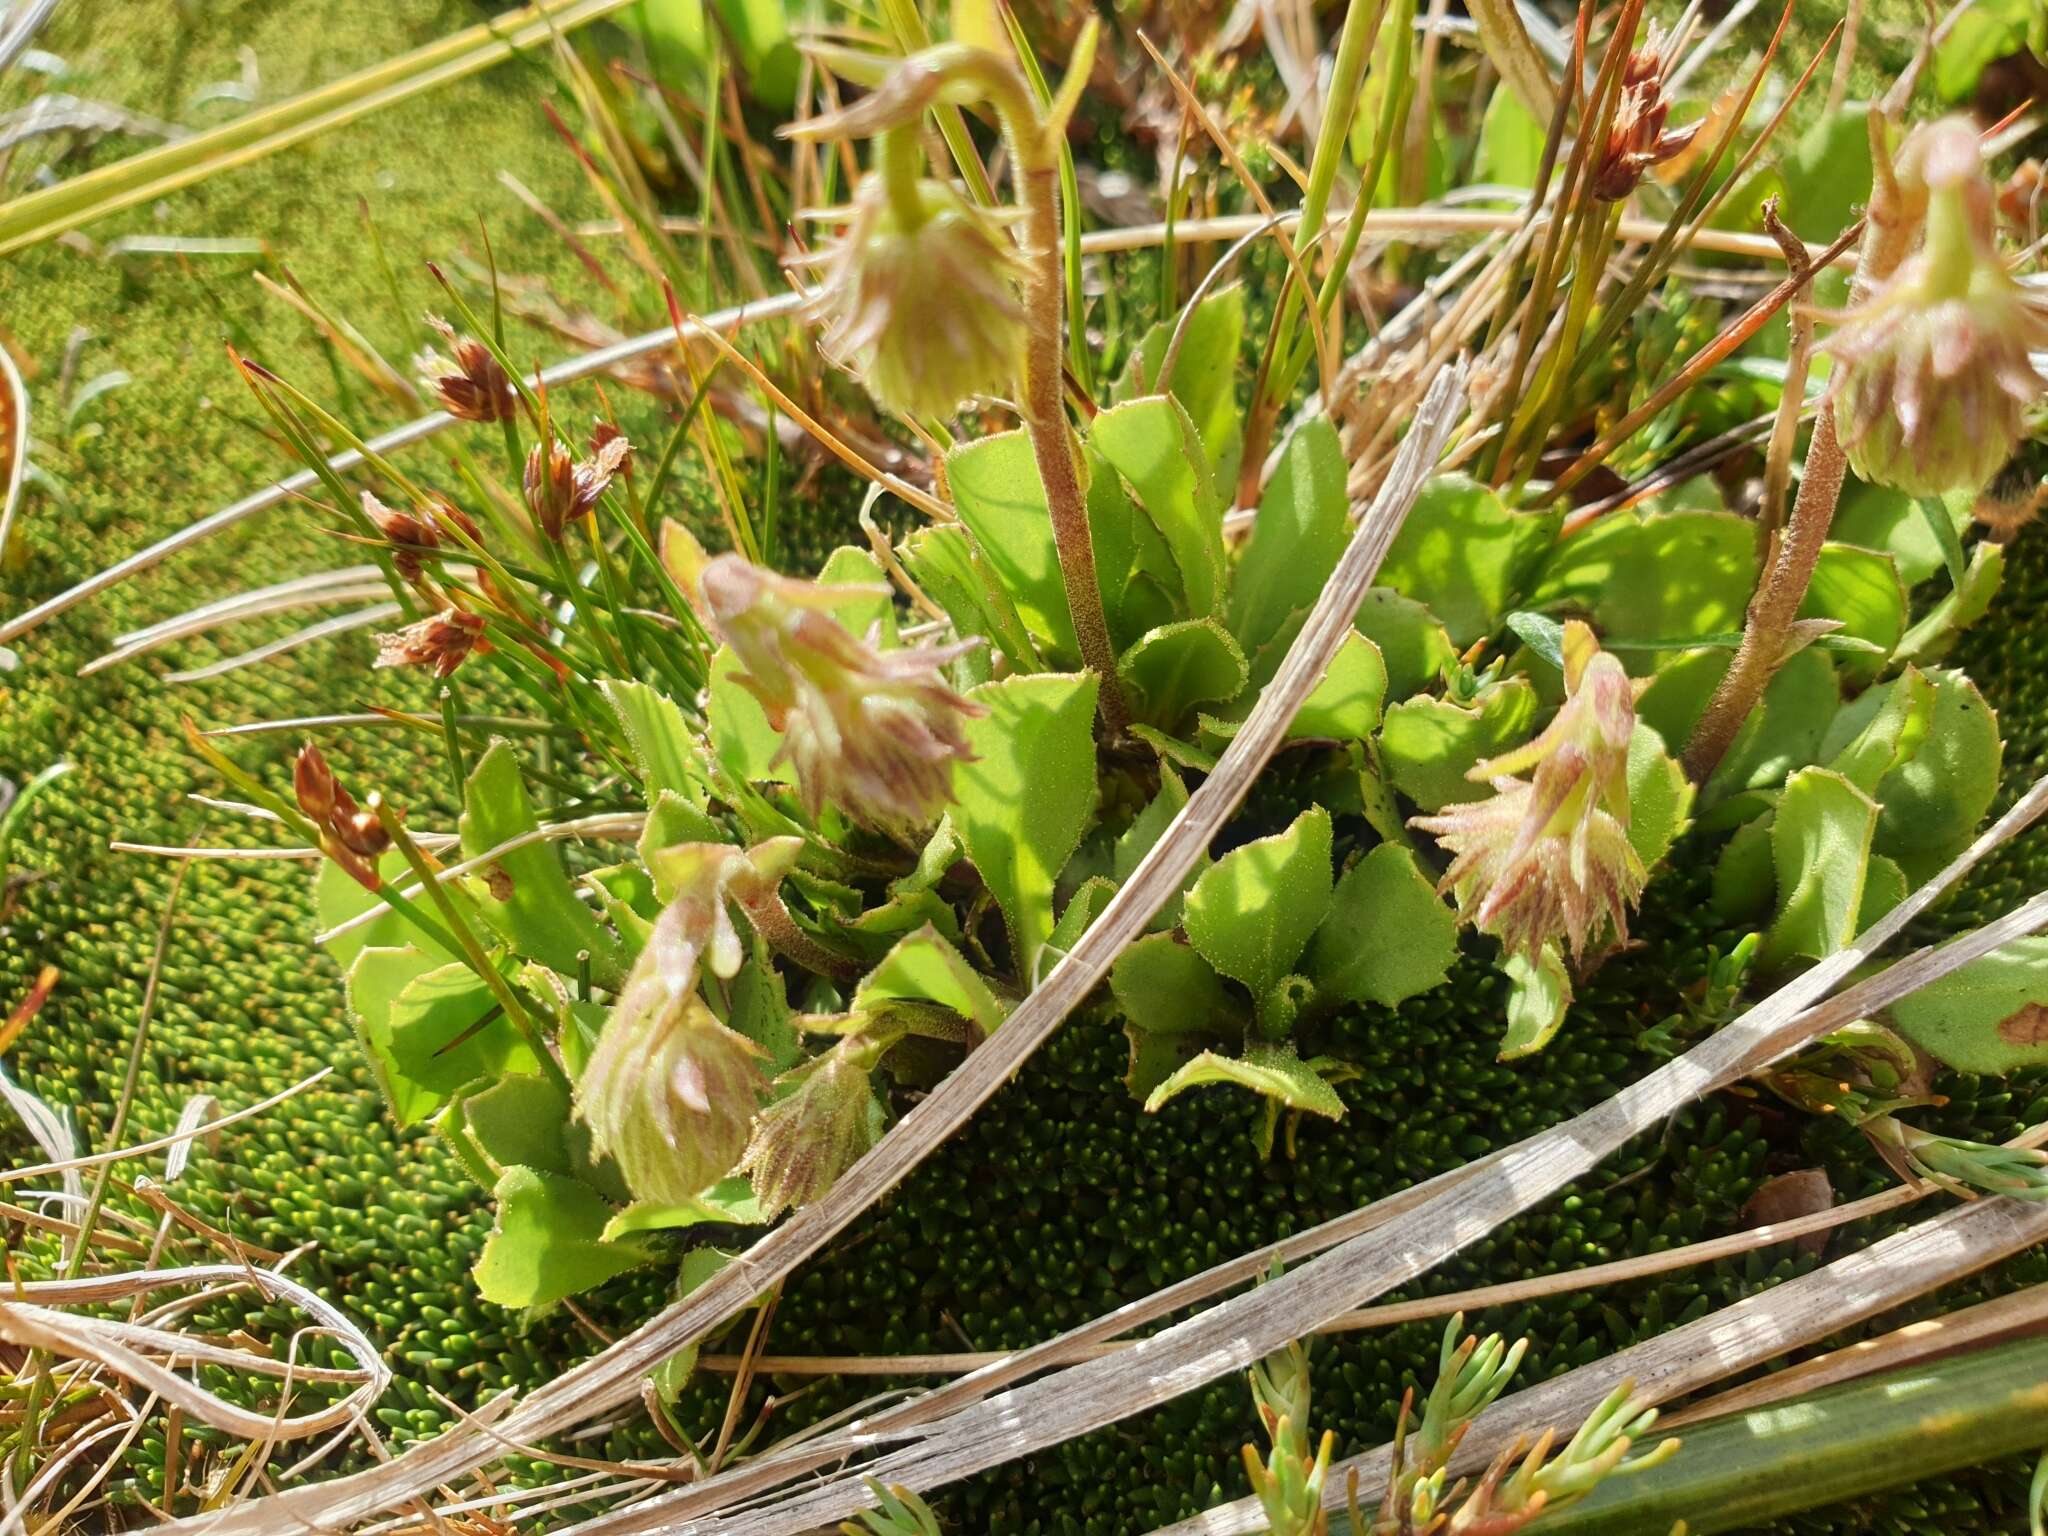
x,y
413,533
1548,857
1932,371
472,387
873,732
826,1118
669,1091
919,298
1637,137
560,488
442,641
352,837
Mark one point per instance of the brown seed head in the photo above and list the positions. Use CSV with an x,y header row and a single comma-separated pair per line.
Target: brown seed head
x,y
442,641
471,386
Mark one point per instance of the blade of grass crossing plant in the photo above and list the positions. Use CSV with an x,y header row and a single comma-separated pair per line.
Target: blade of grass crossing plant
x,y
907,26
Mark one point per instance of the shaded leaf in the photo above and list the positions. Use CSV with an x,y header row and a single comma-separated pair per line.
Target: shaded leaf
x,y
1253,910
1539,992
1989,1016
1388,936
1153,445
1820,850
1177,666
1022,803
547,1241
1274,1071
1297,538
924,968
1465,554
1428,745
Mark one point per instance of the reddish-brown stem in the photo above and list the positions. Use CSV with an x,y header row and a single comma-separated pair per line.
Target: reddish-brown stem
x,y
1776,603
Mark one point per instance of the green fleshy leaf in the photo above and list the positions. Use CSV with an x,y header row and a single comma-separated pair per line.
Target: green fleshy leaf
x,y
1165,987
1827,174
1145,830
1935,634
1744,878
337,898
1934,800
945,561
522,1121
1674,576
1388,936
1989,1016
1023,801
1153,445
1539,993
663,745
1542,634
760,1011
1272,1070
525,895
1861,588
729,1202
408,1008
1253,910
1345,705
1176,667
1893,523
1463,552
1659,797
1820,848
1134,569
1983,34
1172,749
860,611
1884,887
673,1375
924,968
746,744
547,1241
1204,375
759,33
1428,745
671,820
997,492
1889,736
1415,647
1083,907
1298,537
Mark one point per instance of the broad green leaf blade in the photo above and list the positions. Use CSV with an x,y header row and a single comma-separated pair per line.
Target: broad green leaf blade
x,y
1990,1016
525,895
869,601
1539,992
337,898
1178,666
522,1121
1888,736
1172,1001
1415,647
1253,910
1297,538
924,968
1153,445
409,1008
949,566
1204,375
1023,801
1659,797
1428,745
1933,800
1466,555
1345,705
1820,848
1861,588
1388,936
1274,1071
1666,576
997,492
663,745
746,744
547,1241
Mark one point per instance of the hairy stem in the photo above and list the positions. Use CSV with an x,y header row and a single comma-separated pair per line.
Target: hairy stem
x,y
1052,443
1776,603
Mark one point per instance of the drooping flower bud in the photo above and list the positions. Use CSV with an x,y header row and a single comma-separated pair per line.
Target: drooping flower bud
x,y
560,488
471,387
872,732
1932,370
413,533
825,1119
1548,857
1637,137
352,837
919,297
442,641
